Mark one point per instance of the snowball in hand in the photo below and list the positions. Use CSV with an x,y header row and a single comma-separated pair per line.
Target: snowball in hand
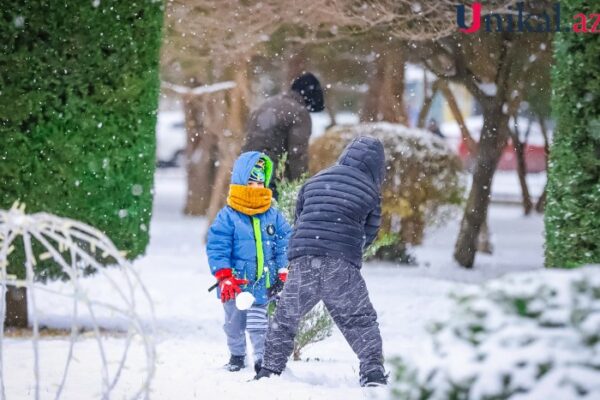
x,y
244,301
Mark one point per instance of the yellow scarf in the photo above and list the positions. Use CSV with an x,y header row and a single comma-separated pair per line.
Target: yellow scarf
x,y
249,200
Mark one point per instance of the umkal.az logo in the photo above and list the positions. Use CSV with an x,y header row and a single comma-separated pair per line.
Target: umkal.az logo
x,y
521,21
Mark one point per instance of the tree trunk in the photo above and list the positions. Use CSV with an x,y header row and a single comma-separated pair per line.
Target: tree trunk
x,y
412,229
384,100
16,307
493,138
200,157
329,107
521,170
522,173
484,242
427,103
295,66
464,131
428,96
230,141
541,203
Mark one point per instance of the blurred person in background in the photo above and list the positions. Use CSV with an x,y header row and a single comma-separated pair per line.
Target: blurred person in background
x,y
282,125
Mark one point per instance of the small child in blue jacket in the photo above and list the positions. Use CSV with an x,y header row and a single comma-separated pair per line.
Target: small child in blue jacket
x,y
247,251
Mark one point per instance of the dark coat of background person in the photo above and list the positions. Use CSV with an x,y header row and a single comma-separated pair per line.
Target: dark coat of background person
x,y
282,124
338,211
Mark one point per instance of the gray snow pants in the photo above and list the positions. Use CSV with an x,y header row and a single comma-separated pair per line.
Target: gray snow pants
x,y
237,322
342,289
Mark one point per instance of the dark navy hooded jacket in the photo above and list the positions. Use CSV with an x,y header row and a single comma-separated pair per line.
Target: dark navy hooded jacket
x,y
338,211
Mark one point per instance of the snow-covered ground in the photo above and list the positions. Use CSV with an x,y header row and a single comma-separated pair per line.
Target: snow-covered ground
x,y
191,347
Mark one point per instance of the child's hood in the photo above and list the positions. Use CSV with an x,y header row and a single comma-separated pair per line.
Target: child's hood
x,y
244,164
366,154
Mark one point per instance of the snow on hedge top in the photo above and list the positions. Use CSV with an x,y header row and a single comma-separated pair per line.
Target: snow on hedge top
x,y
397,139
529,335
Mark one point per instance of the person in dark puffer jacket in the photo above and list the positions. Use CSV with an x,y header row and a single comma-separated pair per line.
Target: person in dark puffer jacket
x,y
282,124
338,213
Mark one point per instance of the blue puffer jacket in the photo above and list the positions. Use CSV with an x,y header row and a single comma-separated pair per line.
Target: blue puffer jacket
x,y
338,211
231,243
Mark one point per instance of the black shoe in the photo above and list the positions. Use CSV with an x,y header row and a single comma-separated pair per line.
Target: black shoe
x,y
235,363
374,378
265,373
257,366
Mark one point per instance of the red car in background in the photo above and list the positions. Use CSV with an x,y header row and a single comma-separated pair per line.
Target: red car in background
x,y
535,157
535,153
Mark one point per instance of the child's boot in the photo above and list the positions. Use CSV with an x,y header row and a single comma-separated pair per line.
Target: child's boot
x,y
235,363
257,366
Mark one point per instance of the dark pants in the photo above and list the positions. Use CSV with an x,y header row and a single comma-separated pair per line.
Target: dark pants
x,y
342,289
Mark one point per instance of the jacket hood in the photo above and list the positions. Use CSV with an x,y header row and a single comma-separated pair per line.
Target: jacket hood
x,y
366,154
244,164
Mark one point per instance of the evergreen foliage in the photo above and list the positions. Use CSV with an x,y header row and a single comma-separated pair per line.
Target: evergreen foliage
x,y
79,93
572,216
317,324
423,183
527,335
314,327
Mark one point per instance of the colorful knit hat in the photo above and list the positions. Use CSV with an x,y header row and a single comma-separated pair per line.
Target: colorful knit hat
x,y
258,172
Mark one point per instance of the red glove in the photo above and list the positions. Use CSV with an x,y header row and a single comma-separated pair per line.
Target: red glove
x,y
282,273
229,284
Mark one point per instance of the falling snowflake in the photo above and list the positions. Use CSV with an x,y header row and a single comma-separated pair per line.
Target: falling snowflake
x,y
19,21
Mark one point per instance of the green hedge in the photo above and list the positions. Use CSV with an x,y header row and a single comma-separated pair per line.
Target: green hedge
x,y
573,210
79,93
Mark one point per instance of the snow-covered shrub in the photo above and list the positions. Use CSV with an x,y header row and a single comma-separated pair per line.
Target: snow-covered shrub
x,y
423,175
389,247
525,336
287,190
384,240
317,325
73,246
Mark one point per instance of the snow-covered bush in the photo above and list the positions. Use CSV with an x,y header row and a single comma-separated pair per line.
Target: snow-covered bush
x,y
389,247
525,336
423,175
317,325
287,191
